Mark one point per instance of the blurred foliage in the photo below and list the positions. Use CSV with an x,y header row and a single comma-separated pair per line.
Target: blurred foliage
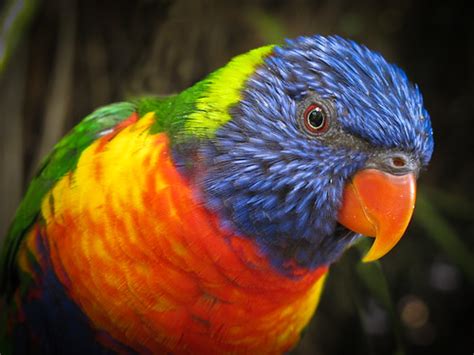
x,y
372,276
15,18
419,298
443,234
268,27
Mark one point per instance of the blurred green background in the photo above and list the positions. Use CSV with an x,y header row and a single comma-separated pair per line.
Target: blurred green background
x,y
61,59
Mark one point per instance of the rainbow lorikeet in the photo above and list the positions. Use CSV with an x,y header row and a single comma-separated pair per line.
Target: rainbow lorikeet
x,y
205,222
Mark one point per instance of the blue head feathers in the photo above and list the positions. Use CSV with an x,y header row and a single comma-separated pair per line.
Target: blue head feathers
x,y
270,179
375,100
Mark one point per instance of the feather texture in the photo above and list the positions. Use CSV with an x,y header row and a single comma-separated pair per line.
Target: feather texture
x,y
204,222
149,266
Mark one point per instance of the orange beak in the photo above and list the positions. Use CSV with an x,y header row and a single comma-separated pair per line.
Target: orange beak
x,y
380,205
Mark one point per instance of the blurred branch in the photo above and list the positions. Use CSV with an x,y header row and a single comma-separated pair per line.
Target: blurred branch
x,y
96,55
12,86
14,20
443,234
61,83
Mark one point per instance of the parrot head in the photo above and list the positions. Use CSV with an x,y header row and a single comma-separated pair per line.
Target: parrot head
x,y
324,143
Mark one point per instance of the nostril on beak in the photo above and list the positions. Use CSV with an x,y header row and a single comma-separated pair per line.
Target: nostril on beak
x,y
396,163
399,162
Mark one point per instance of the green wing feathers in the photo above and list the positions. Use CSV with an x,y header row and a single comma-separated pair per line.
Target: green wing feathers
x,y
60,161
196,112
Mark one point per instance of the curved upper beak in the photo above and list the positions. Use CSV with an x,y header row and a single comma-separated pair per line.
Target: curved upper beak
x,y
380,205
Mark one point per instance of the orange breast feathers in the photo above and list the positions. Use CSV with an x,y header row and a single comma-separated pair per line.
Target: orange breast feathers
x,y
150,265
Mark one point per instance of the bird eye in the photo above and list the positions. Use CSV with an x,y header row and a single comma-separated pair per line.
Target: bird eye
x,y
315,120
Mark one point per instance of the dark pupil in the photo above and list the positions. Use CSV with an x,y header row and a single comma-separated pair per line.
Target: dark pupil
x,y
316,118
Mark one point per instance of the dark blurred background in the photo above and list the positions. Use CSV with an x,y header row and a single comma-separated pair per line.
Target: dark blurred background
x,y
59,60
